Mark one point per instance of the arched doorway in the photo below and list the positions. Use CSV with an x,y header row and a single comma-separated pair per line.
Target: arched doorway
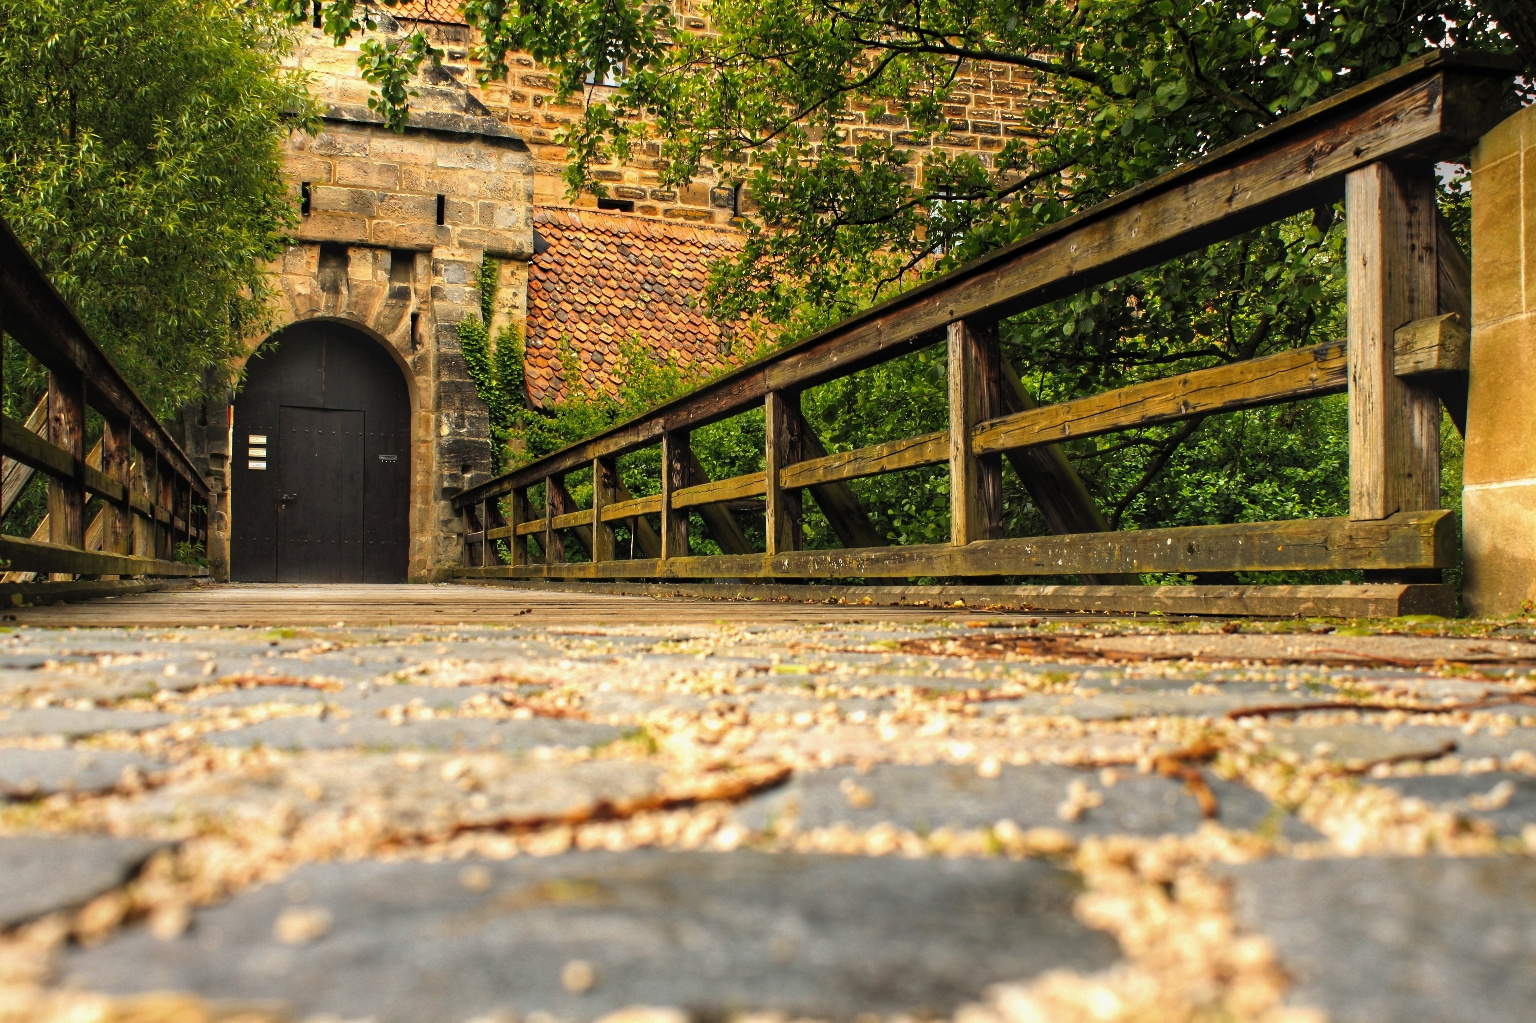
x,y
320,487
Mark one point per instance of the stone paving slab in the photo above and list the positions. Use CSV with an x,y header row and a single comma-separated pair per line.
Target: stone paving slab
x,y
383,798
1506,801
76,723
30,773
928,797
308,733
44,874
820,937
1400,940
436,776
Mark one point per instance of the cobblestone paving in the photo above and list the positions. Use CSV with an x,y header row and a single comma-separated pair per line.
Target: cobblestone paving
x,y
978,819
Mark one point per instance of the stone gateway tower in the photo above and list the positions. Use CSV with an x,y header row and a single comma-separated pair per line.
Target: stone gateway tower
x,y
356,419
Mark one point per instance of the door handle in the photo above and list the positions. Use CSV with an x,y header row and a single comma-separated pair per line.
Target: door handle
x,y
285,498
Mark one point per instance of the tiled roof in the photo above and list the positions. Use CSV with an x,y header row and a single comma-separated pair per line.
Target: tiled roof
x,y
446,12
607,277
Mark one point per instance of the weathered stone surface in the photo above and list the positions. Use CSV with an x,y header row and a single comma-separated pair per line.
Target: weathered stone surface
x,y
1507,801
385,797
435,734
1400,940
40,875
74,723
1359,745
824,937
926,798
29,773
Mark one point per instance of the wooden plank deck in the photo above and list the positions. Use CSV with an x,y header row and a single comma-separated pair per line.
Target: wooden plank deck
x,y
270,605
584,604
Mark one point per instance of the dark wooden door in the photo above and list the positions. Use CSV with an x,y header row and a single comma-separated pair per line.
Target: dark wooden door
x,y
320,507
321,379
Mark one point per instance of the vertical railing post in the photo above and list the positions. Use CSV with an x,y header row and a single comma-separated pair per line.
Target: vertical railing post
x,y
116,452
66,429
675,475
163,474
471,528
490,514
139,481
784,446
554,546
519,514
605,491
975,395
1394,426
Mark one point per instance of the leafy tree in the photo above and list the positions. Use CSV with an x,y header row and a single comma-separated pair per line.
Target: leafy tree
x,y
142,168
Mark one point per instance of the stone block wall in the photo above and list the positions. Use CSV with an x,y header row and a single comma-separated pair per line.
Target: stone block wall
x,y
1499,496
987,110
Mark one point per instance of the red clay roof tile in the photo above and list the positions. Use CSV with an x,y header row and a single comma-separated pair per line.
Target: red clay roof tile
x,y
580,295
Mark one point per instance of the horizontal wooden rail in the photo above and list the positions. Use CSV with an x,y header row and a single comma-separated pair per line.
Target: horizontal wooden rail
x,y
650,505
890,456
737,488
40,556
1431,108
1408,540
1273,379
26,447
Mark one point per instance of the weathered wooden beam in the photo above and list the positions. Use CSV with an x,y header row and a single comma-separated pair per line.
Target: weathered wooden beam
x,y
1341,600
66,431
1431,108
116,453
1454,272
605,476
1394,424
14,476
784,446
753,484
1409,540
1284,376
975,397
645,538
38,556
676,470
518,513
1455,297
837,500
1047,474
1053,483
550,540
888,456
718,521
632,507
1438,344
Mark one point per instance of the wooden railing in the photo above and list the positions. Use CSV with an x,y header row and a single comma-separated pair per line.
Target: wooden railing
x,y
153,500
1374,146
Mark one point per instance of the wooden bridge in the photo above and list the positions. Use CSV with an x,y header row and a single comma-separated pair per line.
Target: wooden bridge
x,y
1405,354
1404,357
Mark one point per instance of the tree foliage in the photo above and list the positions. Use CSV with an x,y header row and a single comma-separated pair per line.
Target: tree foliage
x,y
142,168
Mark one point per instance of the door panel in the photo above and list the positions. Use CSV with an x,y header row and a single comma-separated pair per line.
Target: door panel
x,y
320,365
320,508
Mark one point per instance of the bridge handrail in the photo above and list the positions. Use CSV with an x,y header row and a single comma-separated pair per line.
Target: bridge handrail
x,y
1373,145
156,499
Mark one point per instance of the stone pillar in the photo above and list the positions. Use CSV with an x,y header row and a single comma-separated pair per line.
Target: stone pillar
x,y
1499,496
